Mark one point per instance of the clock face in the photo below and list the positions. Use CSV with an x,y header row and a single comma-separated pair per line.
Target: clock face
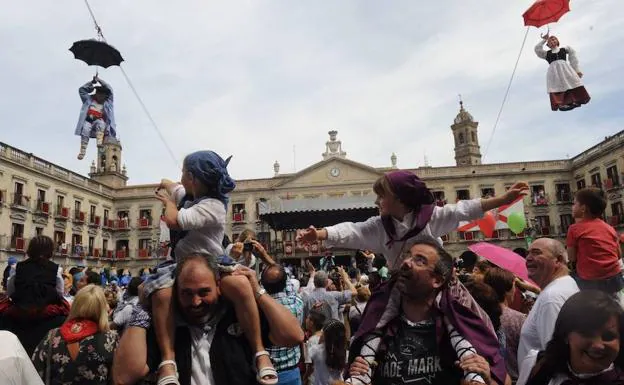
x,y
335,172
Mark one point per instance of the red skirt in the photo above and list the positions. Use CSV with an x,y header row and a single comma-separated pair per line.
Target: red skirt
x,y
569,100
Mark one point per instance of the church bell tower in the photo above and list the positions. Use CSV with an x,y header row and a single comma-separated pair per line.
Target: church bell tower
x,y
465,133
108,168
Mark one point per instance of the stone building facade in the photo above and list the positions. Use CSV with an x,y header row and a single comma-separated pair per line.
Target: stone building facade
x,y
100,220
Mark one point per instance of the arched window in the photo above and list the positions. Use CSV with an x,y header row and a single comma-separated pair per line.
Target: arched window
x,y
461,138
474,137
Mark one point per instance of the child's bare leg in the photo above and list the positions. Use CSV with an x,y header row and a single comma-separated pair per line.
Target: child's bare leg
x,y
238,290
164,327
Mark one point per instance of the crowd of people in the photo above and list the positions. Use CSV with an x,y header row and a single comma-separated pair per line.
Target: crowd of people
x,y
407,312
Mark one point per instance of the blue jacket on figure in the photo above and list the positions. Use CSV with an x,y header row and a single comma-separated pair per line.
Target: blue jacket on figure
x,y
109,116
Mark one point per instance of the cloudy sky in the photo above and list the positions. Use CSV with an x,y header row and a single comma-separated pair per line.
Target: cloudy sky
x,y
257,79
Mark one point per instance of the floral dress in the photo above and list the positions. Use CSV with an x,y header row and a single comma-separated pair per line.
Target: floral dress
x,y
92,365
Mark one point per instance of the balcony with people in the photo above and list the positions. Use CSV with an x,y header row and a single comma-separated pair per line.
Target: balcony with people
x,y
19,201
462,195
123,221
539,196
487,192
145,220
440,199
613,179
238,213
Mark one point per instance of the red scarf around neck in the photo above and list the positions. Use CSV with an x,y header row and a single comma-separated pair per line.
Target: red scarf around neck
x,y
78,329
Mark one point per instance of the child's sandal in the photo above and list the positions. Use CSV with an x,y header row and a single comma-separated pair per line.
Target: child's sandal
x,y
265,372
169,380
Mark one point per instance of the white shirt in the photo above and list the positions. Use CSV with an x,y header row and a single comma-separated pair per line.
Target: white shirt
x,y
370,235
201,368
540,323
205,222
322,374
16,368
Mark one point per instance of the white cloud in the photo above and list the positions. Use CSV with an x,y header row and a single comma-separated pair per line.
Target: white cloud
x,y
254,78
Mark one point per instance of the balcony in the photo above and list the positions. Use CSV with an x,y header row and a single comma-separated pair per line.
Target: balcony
x,y
144,253
108,224
94,221
95,253
78,251
109,254
616,220
121,224
42,208
79,217
545,231
440,202
20,201
238,218
121,254
62,213
610,184
144,223
62,249
3,195
18,244
540,200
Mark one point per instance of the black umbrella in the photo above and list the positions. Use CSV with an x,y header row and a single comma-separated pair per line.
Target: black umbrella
x,y
96,53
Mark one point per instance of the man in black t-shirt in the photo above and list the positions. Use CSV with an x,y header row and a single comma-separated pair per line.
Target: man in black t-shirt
x,y
415,348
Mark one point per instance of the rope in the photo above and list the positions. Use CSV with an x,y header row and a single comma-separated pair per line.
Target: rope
x,y
500,111
134,91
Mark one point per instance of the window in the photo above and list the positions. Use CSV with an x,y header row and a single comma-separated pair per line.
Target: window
x,y
563,192
60,203
92,214
461,138
59,238
612,174
473,136
18,194
76,240
463,195
439,197
41,195
596,180
91,243
288,236
618,213
542,224
17,230
539,197
106,213
105,245
580,184
238,212
566,221
487,192
77,212
144,243
145,214
38,231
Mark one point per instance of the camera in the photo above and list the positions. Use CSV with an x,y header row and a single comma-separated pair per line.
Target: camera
x,y
248,246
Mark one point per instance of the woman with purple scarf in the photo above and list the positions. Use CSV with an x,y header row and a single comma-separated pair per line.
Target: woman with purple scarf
x,y
408,214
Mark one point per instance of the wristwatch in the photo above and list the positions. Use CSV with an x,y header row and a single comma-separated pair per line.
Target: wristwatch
x,y
260,293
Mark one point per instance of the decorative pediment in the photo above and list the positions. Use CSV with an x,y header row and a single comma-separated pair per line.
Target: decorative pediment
x,y
123,235
76,229
332,171
60,225
18,216
92,231
40,220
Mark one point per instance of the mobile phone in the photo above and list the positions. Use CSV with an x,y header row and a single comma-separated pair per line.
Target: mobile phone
x,y
247,246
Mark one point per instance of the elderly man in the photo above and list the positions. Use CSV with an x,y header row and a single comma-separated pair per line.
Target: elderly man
x,y
416,348
319,295
210,346
546,262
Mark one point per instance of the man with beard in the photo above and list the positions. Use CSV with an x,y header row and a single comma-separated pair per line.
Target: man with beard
x,y
210,346
416,348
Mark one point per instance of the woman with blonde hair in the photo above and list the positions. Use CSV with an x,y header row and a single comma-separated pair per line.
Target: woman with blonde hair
x,y
81,350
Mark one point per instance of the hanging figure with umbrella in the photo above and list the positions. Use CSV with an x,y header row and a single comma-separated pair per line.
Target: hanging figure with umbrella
x,y
97,118
563,79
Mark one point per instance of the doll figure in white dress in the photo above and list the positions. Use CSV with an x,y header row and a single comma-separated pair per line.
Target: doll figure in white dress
x,y
563,78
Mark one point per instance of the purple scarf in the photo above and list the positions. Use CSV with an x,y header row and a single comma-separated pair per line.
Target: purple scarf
x,y
413,193
465,321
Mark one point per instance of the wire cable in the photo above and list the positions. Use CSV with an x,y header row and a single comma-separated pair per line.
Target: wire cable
x,y
98,29
500,111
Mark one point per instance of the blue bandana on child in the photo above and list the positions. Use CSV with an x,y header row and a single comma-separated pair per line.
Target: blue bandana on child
x,y
211,170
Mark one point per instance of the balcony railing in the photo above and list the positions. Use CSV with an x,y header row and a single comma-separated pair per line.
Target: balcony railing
x,y
62,212
95,253
610,184
108,224
144,253
79,216
20,201
616,220
18,243
238,217
3,195
440,202
78,250
94,221
540,200
144,223
545,230
121,254
121,224
42,208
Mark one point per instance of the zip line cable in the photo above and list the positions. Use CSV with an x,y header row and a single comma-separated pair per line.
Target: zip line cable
x,y
134,91
500,111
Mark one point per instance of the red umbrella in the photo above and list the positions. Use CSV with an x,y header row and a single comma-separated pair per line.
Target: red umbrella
x,y
503,258
544,12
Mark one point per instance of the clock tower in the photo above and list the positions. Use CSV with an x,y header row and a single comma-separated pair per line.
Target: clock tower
x,y
467,149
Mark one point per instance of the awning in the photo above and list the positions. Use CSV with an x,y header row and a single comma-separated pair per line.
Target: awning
x,y
291,214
